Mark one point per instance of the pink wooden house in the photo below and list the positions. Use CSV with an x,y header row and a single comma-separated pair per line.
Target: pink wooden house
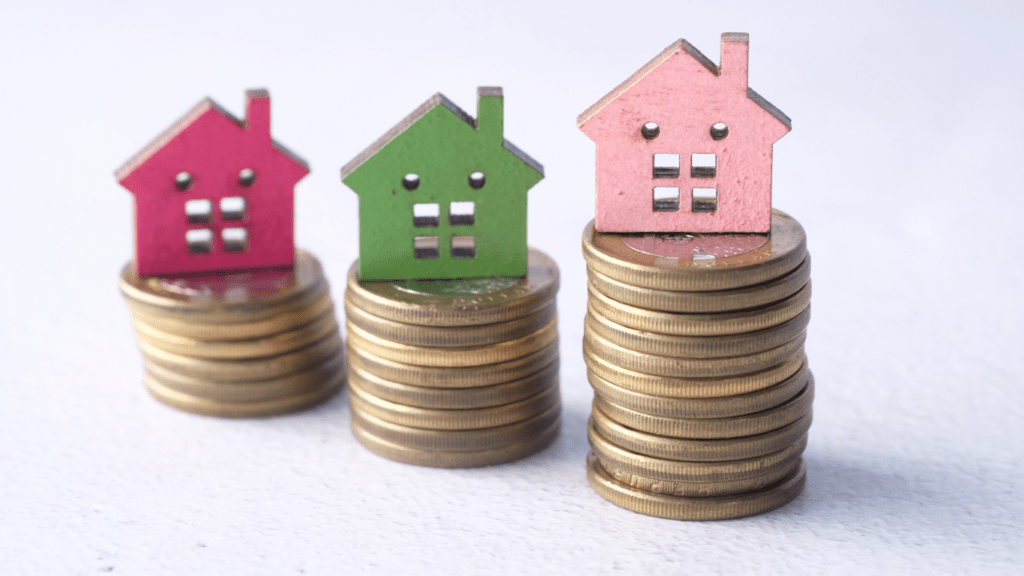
x,y
214,193
684,145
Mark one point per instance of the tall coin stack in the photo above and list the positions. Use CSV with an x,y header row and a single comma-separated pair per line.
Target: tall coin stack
x,y
695,349
455,373
246,344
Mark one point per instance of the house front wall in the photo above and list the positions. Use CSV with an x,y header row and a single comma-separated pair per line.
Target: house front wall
x,y
443,151
213,151
685,100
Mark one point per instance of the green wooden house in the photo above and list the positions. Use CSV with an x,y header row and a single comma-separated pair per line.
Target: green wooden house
x,y
442,195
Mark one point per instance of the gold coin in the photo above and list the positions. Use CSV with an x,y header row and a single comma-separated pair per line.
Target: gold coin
x,y
469,377
453,357
440,459
287,320
224,297
245,370
470,419
685,508
665,386
703,302
254,391
697,489
723,407
717,324
713,428
454,398
465,302
691,367
615,256
228,409
274,345
481,335
697,346
699,450
459,440
679,471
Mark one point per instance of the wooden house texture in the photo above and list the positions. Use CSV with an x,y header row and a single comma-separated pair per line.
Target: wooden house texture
x,y
443,195
214,193
684,145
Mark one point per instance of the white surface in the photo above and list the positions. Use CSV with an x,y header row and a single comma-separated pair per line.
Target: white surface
x,y
904,166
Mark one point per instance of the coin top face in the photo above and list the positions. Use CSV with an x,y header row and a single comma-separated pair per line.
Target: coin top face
x,y
697,262
695,246
465,302
231,288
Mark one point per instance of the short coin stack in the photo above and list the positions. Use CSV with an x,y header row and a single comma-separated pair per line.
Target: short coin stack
x,y
695,350
245,344
455,373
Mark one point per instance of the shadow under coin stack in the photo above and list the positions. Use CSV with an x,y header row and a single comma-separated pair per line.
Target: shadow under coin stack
x,y
695,349
244,344
455,373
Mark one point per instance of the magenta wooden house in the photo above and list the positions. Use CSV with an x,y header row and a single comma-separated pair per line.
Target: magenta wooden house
x,y
684,145
214,193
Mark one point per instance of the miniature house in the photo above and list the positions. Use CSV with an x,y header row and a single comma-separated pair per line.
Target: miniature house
x,y
214,193
684,145
442,195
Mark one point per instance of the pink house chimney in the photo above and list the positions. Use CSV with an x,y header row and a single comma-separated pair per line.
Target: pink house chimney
x,y
735,50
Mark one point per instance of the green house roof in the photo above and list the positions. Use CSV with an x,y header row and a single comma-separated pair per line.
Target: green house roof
x,y
440,158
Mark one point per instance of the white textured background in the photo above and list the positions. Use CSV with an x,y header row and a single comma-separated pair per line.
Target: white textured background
x,y
904,166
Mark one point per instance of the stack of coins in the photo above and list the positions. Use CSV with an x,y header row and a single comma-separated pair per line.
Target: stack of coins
x,y
244,344
455,373
695,349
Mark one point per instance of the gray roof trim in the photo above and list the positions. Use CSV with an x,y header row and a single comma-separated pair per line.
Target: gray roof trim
x,y
184,122
432,102
770,108
526,158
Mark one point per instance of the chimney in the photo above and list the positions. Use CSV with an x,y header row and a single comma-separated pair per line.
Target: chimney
x,y
490,109
257,111
735,47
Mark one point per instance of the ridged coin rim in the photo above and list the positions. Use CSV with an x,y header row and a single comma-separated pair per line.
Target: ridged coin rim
x,y
246,370
697,489
282,322
246,391
680,471
223,409
440,459
689,450
696,346
671,387
453,357
714,324
273,345
713,428
721,407
469,419
703,302
454,398
460,440
692,367
465,377
684,508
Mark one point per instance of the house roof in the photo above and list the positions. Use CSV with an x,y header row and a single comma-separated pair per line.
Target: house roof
x,y
431,103
185,122
664,55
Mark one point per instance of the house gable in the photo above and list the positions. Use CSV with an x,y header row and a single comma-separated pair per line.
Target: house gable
x,y
684,95
443,147
246,217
